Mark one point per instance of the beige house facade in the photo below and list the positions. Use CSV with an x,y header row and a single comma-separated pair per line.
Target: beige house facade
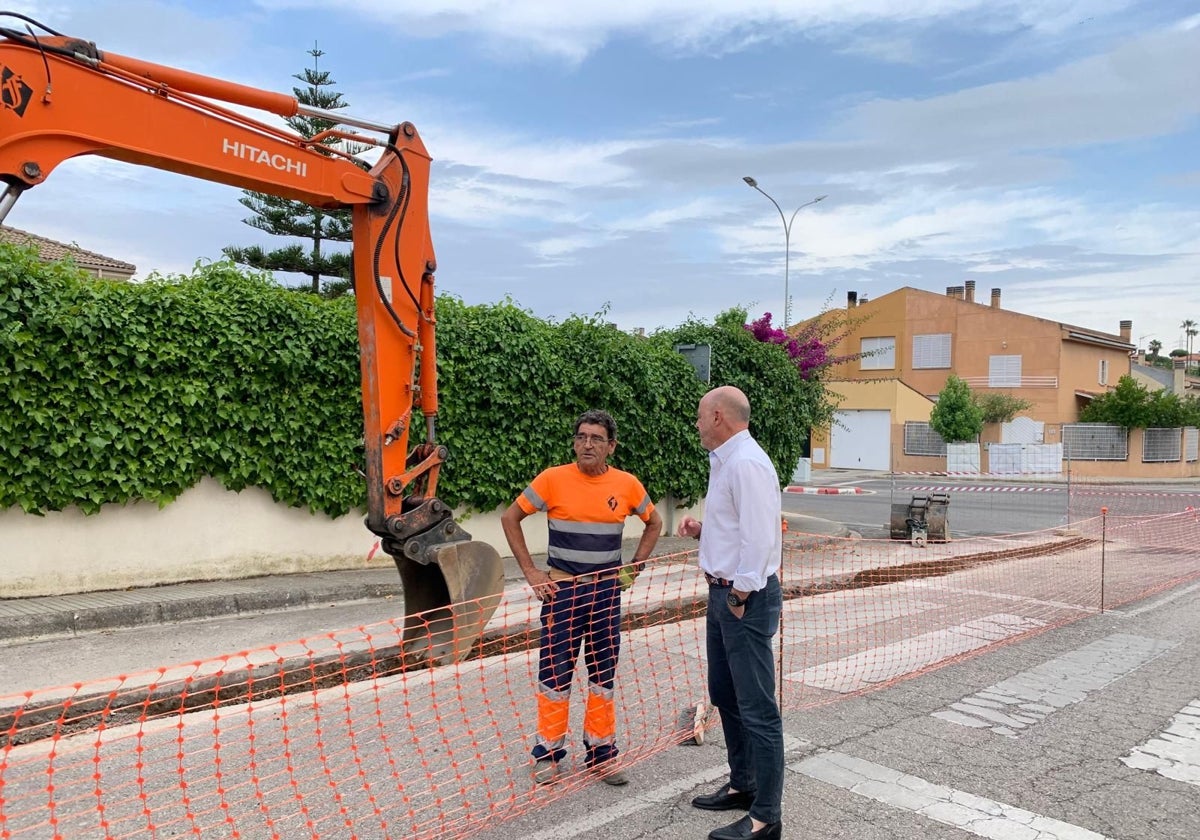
x,y
911,341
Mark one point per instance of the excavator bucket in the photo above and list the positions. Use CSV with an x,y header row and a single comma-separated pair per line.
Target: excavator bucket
x,y
923,520
450,594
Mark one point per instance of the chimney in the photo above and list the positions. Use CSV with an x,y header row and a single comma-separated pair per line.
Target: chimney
x,y
970,291
959,292
949,291
1178,382
995,298
1126,331
862,300
851,300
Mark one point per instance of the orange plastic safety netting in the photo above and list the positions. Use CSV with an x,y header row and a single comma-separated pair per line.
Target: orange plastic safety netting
x,y
341,735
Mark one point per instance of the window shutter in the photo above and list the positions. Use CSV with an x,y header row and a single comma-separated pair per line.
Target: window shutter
x,y
931,351
1004,372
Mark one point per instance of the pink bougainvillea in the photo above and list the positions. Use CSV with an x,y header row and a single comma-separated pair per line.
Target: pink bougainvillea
x,y
806,351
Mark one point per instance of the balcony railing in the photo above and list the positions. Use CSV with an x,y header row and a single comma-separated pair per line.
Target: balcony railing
x,y
1025,382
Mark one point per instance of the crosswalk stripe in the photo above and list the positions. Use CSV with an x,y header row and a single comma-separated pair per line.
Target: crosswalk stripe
x,y
965,811
1021,701
593,822
907,656
1175,752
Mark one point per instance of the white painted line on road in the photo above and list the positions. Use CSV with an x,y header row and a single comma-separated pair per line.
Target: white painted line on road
x,y
965,811
1003,596
1175,753
881,664
1011,706
630,805
835,613
984,488
1153,605
828,491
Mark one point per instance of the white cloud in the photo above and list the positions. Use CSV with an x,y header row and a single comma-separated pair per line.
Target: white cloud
x,y
990,181
1135,91
706,26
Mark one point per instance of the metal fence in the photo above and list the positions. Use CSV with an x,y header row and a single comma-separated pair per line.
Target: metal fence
x,y
1191,444
1161,445
921,439
1095,442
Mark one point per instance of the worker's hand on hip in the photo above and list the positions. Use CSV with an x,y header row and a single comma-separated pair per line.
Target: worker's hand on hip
x,y
543,587
688,527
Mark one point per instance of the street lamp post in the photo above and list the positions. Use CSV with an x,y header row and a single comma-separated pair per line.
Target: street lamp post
x,y
787,243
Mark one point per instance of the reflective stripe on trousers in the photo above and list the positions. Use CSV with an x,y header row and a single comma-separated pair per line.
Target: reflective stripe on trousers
x,y
587,614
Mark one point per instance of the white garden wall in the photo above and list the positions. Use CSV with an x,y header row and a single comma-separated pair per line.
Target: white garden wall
x,y
208,533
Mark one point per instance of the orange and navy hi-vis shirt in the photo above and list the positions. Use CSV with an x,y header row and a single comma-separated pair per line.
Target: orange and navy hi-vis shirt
x,y
586,514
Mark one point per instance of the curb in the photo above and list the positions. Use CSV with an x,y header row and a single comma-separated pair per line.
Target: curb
x,y
89,614
825,491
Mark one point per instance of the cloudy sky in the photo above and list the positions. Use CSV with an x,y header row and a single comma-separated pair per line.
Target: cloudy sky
x,y
589,156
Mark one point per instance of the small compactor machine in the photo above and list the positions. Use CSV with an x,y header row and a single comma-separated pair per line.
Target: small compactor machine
x,y
923,520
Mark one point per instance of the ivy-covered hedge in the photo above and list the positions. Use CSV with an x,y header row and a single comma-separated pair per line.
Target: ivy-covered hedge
x,y
111,392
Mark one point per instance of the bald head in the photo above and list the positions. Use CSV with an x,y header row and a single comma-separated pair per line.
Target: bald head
x,y
733,403
723,412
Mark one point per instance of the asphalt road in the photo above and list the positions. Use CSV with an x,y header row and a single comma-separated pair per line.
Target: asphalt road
x,y
983,508
902,763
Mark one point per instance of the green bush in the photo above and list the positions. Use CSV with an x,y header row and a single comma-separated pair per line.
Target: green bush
x,y
1133,406
956,416
1000,408
111,392
783,407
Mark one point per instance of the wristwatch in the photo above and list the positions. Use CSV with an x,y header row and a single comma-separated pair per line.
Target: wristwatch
x,y
734,601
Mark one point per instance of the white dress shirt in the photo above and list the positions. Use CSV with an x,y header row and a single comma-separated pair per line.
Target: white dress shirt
x,y
741,538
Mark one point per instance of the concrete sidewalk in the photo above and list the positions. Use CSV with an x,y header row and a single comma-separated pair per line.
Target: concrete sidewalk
x,y
69,615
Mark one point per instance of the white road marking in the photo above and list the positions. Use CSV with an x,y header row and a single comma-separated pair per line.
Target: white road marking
x,y
630,805
881,664
959,809
1153,605
1175,753
1019,702
1001,596
841,612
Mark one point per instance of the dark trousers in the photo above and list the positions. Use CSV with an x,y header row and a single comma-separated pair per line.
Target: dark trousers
x,y
587,615
741,684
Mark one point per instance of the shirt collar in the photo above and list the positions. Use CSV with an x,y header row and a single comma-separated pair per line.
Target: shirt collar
x,y
726,449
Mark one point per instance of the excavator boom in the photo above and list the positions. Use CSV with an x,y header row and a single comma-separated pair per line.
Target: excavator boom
x,y
61,97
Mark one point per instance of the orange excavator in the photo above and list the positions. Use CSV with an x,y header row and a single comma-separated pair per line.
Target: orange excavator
x,y
61,97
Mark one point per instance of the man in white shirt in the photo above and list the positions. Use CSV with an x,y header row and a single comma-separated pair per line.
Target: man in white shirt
x,y
741,546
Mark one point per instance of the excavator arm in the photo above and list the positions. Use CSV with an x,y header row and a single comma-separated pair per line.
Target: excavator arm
x,y
61,97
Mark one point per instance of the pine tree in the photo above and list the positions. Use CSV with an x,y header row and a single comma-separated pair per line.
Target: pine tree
x,y
286,217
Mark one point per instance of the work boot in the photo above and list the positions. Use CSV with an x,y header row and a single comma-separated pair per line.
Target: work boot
x,y
613,775
545,771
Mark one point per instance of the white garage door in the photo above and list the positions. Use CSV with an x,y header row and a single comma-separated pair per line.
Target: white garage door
x,y
861,440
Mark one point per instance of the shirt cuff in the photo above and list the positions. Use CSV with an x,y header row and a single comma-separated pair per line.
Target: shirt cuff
x,y
747,583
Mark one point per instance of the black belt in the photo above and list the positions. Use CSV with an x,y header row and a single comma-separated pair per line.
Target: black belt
x,y
716,581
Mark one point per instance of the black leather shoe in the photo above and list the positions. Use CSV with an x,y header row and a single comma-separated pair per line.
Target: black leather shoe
x,y
743,830
723,800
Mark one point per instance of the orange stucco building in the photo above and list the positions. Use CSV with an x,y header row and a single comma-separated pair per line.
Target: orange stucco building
x,y
914,340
